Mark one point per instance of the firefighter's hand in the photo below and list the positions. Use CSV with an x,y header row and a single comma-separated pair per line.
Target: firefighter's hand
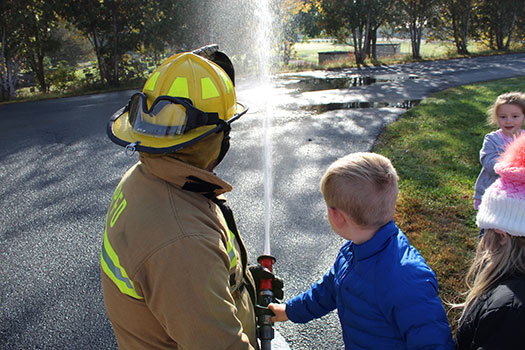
x,y
260,272
280,312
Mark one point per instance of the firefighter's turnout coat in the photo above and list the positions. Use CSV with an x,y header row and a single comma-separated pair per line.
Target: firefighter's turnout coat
x,y
174,268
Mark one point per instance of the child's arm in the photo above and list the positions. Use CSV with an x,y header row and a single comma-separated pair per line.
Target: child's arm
x,y
490,152
280,312
314,303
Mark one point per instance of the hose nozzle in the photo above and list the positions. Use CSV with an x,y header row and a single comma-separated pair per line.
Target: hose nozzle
x,y
265,297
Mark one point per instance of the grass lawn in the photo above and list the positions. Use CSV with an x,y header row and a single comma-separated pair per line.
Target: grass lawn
x,y
435,149
307,51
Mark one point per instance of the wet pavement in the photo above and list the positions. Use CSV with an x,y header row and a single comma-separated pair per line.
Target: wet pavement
x,y
398,83
58,170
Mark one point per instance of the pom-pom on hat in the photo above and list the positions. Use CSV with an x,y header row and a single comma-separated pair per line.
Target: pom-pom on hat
x,y
503,203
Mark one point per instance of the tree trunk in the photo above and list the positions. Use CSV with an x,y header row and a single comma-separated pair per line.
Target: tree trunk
x,y
12,74
41,74
415,39
459,36
373,42
366,41
103,71
511,28
115,46
357,52
500,32
466,29
4,95
36,58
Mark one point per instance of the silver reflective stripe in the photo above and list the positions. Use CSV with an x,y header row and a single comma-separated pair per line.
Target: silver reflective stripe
x,y
116,271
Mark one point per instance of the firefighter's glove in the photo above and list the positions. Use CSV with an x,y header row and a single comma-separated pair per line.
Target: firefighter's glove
x,y
259,273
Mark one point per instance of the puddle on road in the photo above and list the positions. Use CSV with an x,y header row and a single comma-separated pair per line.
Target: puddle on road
x,y
321,108
316,83
302,84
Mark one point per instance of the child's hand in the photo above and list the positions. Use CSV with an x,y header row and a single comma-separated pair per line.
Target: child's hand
x,y
280,312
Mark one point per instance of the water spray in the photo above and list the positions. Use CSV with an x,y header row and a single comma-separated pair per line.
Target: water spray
x,y
266,295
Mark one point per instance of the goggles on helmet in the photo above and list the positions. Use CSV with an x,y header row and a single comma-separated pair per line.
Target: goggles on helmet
x,y
167,116
169,125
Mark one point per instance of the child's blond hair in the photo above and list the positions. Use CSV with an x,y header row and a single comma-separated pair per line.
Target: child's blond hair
x,y
511,98
497,257
364,186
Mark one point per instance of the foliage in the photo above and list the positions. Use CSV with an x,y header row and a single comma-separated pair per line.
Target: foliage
x,y
294,16
417,14
37,34
454,23
10,44
348,19
496,22
73,48
37,40
133,68
62,76
115,27
435,152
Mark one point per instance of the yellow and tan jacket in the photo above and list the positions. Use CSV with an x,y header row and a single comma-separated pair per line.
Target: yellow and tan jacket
x,y
174,274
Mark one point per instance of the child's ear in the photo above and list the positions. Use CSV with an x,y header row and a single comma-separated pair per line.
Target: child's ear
x,y
337,216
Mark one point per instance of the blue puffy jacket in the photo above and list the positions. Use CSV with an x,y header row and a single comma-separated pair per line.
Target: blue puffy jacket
x,y
385,294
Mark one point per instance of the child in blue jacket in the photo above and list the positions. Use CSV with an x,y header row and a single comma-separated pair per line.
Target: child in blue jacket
x,y
385,293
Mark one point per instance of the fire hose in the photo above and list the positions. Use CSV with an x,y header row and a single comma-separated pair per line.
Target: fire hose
x,y
265,326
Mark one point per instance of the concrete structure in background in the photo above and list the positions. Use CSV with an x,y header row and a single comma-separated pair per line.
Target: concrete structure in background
x,y
385,50
330,56
382,50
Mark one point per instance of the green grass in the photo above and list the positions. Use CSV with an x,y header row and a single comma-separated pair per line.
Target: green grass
x,y
307,53
435,149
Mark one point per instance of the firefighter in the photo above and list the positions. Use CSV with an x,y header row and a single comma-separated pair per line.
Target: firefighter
x,y
174,268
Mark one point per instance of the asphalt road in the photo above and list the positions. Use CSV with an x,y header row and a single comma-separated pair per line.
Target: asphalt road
x,y
58,170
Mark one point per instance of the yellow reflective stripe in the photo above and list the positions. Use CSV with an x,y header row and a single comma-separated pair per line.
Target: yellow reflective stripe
x,y
227,81
108,258
231,249
209,90
116,211
152,81
111,266
179,88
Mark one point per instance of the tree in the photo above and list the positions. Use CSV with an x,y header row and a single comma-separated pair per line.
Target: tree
x,y
355,19
115,27
345,19
416,15
455,22
497,21
383,11
74,48
37,39
520,25
295,17
10,40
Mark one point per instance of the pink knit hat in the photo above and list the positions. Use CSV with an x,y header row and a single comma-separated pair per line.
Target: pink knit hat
x,y
503,203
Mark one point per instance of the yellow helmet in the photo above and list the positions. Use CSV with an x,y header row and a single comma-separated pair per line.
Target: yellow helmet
x,y
185,99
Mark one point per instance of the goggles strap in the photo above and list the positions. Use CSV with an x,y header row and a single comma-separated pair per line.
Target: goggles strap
x,y
198,118
225,144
